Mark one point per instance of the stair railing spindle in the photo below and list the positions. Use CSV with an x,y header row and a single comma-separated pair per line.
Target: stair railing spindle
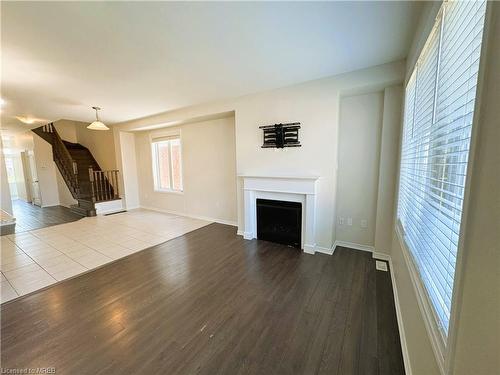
x,y
117,183
103,180
92,186
100,186
117,195
103,183
96,175
104,189
108,185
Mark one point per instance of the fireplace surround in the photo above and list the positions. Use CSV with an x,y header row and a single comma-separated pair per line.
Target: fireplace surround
x,y
299,189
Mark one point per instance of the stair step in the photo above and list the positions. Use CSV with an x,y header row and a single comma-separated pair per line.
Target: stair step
x,y
77,209
87,204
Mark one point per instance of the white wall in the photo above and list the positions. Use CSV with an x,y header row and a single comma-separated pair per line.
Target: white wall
x,y
368,152
65,197
66,130
24,155
53,188
314,104
4,187
128,169
46,170
208,168
388,168
19,175
359,148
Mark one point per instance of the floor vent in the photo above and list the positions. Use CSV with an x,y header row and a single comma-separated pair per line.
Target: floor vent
x,y
114,213
381,266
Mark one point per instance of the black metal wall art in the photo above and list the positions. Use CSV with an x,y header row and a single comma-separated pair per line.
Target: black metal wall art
x,y
281,135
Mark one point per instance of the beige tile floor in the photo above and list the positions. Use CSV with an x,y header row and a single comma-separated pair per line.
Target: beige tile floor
x,y
33,260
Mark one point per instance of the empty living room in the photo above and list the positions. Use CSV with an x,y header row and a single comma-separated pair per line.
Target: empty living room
x,y
250,187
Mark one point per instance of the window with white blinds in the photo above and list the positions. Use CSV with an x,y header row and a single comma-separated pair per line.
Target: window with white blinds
x,y
439,107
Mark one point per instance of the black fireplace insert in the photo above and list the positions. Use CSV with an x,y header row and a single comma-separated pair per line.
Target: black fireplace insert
x,y
279,221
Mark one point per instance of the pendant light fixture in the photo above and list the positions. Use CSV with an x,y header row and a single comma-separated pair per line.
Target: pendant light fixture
x,y
97,124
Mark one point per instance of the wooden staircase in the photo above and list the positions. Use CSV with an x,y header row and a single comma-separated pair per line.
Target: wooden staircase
x,y
86,181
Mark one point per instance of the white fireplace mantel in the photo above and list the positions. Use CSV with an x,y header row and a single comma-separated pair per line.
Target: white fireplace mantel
x,y
300,189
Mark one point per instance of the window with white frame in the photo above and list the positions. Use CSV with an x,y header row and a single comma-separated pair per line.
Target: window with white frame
x,y
438,113
167,163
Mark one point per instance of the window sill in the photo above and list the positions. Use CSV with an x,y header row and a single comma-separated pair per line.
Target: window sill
x,y
168,191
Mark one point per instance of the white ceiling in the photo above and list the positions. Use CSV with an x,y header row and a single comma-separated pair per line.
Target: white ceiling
x,y
135,59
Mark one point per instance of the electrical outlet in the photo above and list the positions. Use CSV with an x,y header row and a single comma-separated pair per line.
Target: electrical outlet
x,y
349,221
341,221
364,223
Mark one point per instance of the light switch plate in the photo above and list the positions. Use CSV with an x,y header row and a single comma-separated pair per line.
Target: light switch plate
x,y
349,221
364,223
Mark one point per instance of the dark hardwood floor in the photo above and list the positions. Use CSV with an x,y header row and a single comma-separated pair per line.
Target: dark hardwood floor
x,y
210,302
30,217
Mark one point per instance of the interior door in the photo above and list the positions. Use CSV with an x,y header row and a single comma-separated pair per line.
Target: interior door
x,y
27,175
36,198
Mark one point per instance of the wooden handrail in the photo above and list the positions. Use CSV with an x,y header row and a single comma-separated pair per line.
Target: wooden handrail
x,y
60,143
63,158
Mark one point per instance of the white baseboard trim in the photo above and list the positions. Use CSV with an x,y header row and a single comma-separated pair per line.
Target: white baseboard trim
x,y
309,248
52,205
354,246
129,208
381,256
399,317
240,232
248,235
199,217
325,250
